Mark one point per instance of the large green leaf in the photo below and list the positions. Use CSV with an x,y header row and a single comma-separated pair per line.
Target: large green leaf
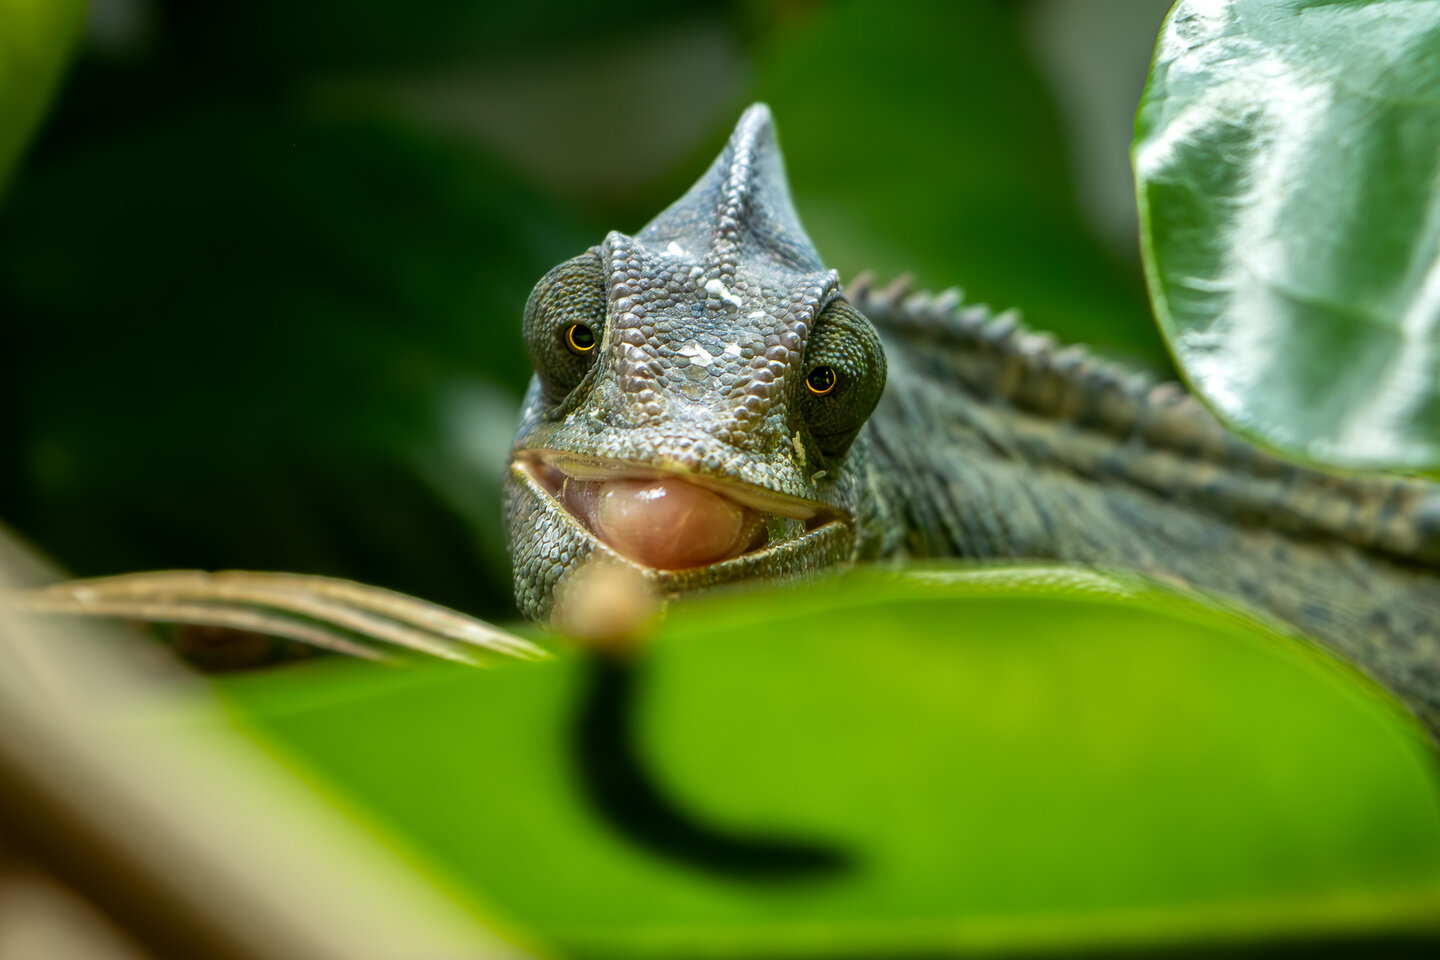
x,y
1012,760
1287,160
35,41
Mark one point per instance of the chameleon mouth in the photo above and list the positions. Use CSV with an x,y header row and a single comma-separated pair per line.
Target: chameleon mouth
x,y
671,520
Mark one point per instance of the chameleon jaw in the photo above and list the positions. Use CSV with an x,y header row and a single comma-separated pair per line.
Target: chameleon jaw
x,y
549,546
670,521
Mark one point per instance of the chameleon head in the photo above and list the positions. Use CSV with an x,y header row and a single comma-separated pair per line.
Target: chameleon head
x,y
699,395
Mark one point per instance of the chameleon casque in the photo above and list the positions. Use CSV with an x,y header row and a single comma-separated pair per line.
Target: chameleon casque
x,y
709,406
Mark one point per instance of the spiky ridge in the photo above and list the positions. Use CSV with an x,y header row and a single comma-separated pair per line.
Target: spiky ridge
x,y
1077,406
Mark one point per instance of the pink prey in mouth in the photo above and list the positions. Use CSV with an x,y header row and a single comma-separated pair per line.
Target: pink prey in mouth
x,y
670,520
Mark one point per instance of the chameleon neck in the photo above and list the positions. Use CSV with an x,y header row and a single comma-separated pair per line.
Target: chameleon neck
x,y
991,443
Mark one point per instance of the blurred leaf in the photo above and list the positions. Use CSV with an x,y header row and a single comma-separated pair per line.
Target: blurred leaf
x,y
1012,760
271,340
236,42
920,138
36,37
1287,159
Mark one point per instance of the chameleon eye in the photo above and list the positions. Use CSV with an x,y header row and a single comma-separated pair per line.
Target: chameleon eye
x,y
579,338
845,376
821,380
564,324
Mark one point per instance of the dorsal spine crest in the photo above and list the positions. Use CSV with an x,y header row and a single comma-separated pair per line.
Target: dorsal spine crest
x,y
1170,442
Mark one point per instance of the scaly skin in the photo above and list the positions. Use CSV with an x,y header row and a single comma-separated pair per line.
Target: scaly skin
x,y
988,442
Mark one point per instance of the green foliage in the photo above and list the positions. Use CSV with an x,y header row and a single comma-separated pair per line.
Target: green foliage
x,y
36,37
1287,158
1026,760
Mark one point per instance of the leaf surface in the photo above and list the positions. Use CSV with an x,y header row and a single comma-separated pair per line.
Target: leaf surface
x,y
1287,161
1010,761
36,37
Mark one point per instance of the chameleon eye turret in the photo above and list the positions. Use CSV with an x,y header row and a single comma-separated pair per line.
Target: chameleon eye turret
x,y
564,325
847,376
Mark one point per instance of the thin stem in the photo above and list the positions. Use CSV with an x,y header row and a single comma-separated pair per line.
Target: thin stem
x,y
375,613
194,614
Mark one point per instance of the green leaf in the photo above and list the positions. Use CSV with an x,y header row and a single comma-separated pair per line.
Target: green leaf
x,y
1010,760
1287,162
36,37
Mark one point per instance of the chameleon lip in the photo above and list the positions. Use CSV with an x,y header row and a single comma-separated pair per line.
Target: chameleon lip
x,y
578,467
758,511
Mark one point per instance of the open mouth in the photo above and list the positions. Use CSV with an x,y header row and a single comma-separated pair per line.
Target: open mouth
x,y
668,520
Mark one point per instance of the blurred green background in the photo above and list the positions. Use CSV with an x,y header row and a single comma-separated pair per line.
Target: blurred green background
x,y
262,271
261,276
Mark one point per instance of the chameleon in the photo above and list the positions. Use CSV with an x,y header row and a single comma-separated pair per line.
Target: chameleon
x,y
710,406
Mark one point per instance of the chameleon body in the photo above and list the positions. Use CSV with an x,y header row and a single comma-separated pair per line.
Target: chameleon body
x,y
718,358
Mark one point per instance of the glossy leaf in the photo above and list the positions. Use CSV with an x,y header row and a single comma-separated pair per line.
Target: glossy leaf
x,y
1287,159
36,37
1017,760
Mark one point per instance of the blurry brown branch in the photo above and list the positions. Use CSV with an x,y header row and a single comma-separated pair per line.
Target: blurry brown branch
x,y
337,615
